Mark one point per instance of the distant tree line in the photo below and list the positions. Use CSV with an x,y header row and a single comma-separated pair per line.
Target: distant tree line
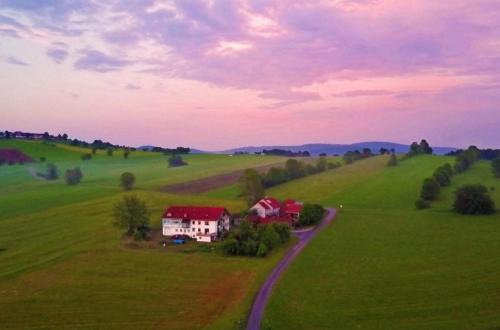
x,y
286,153
168,151
176,161
355,155
484,154
255,240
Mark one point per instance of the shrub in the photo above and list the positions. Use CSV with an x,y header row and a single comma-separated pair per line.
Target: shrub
x,y
94,151
270,237
430,189
230,245
473,199
262,250
176,161
109,152
42,159
73,176
283,231
127,180
311,214
421,204
126,153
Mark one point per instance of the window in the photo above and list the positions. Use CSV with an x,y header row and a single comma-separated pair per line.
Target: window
x,y
193,229
193,222
206,230
199,229
206,223
199,222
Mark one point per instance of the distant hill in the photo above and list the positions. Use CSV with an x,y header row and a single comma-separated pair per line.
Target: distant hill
x,y
192,151
332,149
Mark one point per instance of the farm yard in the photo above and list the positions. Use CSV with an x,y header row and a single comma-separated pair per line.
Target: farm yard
x,y
380,264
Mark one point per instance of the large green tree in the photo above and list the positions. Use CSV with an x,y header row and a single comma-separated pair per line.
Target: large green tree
x,y
430,189
127,180
251,186
131,213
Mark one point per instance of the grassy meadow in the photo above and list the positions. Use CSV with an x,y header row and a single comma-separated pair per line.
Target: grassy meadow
x,y
384,265
62,263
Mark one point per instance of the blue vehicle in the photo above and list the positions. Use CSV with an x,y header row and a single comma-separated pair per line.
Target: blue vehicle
x,y
179,241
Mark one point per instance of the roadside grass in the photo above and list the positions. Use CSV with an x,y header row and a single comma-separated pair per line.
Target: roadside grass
x,y
384,265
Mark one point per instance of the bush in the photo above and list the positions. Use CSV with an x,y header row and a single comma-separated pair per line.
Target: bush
x,y
311,214
176,161
42,159
109,152
126,153
262,250
430,189
421,204
94,151
73,176
127,180
442,177
473,199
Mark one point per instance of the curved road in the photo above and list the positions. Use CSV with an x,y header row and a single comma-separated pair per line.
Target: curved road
x,y
260,301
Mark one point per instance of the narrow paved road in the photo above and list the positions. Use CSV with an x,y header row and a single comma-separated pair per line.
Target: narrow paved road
x,y
262,298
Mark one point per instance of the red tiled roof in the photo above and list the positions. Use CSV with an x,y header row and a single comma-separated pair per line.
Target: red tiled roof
x,y
291,206
275,204
264,205
204,213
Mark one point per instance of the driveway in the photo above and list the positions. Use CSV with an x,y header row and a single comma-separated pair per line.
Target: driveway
x,y
262,298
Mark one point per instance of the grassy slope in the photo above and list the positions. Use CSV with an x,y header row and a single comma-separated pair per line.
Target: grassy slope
x,y
383,264
62,264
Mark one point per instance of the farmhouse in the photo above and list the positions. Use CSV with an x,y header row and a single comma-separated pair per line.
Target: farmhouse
x,y
203,223
269,210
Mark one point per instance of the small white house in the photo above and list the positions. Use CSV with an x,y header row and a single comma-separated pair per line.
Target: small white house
x,y
205,224
267,207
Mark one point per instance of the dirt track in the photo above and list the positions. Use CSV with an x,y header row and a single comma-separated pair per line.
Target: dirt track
x,y
218,181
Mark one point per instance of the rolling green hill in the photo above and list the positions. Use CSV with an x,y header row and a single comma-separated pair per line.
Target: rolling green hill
x,y
384,265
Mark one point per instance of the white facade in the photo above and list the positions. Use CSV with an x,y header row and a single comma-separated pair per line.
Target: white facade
x,y
265,209
201,230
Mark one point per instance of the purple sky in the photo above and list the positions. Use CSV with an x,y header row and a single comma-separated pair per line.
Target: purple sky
x,y
218,74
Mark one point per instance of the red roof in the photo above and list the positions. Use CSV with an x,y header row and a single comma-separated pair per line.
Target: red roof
x,y
204,213
264,205
273,202
291,206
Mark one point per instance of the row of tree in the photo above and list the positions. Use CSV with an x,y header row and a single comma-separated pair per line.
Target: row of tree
x,y
432,186
286,153
355,155
251,240
484,154
465,159
252,184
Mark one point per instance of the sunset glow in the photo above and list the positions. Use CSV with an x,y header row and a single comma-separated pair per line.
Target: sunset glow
x,y
220,74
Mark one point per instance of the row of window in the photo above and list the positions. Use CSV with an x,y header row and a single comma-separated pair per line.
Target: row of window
x,y
187,230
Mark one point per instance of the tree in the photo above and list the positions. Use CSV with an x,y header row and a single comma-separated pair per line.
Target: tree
x,y
251,186
94,150
421,204
86,156
176,161
442,176
430,189
126,153
425,148
294,169
46,136
322,164
73,176
51,173
127,180
393,160
274,176
131,213
109,152
311,214
495,166
270,237
414,149
473,199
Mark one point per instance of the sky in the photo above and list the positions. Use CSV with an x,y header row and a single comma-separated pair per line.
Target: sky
x,y
216,74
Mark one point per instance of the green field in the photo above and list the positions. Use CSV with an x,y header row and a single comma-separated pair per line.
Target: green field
x,y
381,264
62,263
384,265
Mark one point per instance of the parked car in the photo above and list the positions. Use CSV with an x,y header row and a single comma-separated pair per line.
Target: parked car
x,y
179,236
179,241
